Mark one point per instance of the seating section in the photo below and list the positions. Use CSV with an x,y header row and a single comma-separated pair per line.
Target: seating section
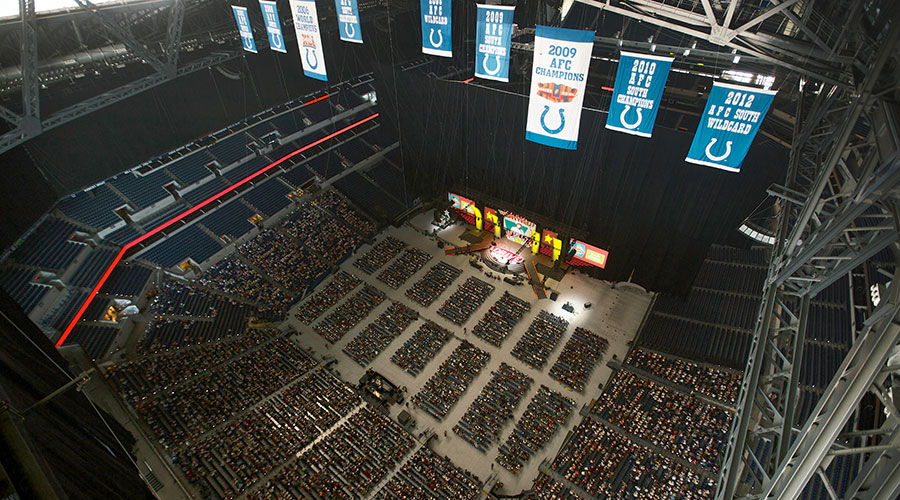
x,y
349,314
547,411
716,383
122,236
375,338
49,246
706,343
127,279
336,204
576,362
163,217
190,242
238,173
482,423
232,149
501,318
19,284
88,273
270,197
322,300
450,381
143,191
465,300
379,255
289,264
536,344
297,176
95,207
405,266
432,285
191,169
369,196
289,123
232,276
712,307
204,191
326,165
65,310
94,339
389,179
428,475
734,277
421,348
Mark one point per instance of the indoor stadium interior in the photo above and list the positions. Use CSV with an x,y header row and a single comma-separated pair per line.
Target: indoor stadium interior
x,y
436,249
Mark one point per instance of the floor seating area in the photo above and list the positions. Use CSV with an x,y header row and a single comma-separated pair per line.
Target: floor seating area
x,y
485,418
421,348
375,338
427,475
409,263
536,344
576,362
379,255
465,301
340,285
350,313
501,318
547,411
450,381
432,285
717,383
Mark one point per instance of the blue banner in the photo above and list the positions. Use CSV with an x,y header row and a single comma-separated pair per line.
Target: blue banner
x,y
273,25
309,38
436,28
348,21
640,81
558,79
729,123
493,36
243,23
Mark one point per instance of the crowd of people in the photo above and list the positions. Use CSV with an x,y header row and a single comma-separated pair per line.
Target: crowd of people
x,y
378,334
676,422
405,266
722,385
350,313
339,286
421,348
605,464
465,301
333,240
427,475
284,259
450,381
432,285
174,298
335,203
153,373
547,411
500,319
536,344
547,488
480,426
186,411
379,255
231,460
576,362
348,463
231,275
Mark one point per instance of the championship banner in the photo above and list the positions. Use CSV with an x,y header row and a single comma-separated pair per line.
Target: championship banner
x,y
243,23
348,21
640,81
436,31
309,39
558,80
273,25
729,123
493,36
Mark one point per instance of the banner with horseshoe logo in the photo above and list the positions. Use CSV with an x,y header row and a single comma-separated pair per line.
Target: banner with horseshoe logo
x,y
437,38
493,36
243,23
558,79
309,38
348,21
640,81
729,123
273,25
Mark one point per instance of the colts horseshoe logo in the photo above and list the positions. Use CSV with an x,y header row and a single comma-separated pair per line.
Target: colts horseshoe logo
x,y
562,121
315,61
720,157
484,64
350,30
631,126
440,38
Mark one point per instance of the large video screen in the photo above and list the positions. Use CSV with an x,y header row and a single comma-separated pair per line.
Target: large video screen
x,y
461,203
588,255
518,229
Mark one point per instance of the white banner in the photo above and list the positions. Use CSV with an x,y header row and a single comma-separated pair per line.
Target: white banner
x,y
309,38
558,80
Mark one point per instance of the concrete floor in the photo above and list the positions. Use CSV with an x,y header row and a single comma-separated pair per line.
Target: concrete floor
x,y
616,315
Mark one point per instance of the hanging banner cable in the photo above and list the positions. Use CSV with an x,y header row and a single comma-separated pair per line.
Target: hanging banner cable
x,y
640,81
309,38
494,33
273,25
